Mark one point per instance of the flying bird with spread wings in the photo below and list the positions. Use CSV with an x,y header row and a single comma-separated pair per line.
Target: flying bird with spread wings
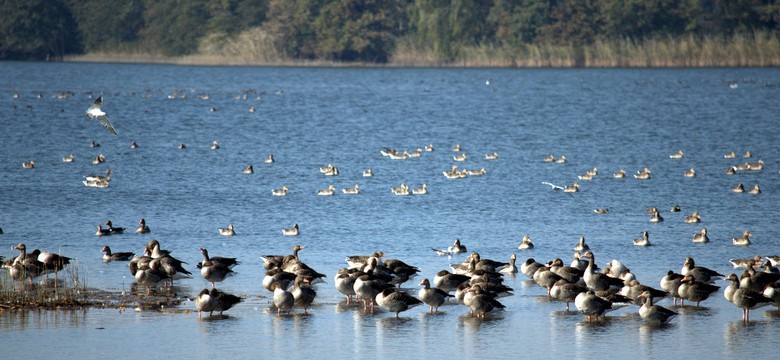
x,y
94,112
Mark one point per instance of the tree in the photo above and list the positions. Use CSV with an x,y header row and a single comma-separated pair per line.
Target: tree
x,y
37,29
106,24
173,27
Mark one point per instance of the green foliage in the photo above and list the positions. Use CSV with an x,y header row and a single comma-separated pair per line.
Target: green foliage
x,y
106,24
37,29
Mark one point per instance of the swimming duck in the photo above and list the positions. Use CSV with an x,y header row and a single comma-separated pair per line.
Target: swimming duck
x,y
421,190
675,208
68,158
654,314
742,241
690,172
108,256
142,227
433,297
326,192
644,240
28,164
114,230
228,231
351,191
214,145
694,218
395,300
526,243
249,170
677,155
280,192
293,231
738,188
213,271
134,145
701,237
460,157
549,158
269,159
99,159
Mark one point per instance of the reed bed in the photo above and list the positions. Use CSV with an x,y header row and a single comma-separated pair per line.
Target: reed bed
x,y
68,289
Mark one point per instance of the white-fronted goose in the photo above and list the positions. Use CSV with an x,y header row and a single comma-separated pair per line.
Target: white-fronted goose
x,y
742,241
564,291
700,273
526,243
481,303
692,290
142,228
434,297
292,231
701,237
644,240
109,256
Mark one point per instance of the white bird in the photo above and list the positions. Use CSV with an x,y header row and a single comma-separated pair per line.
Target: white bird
x,y
94,112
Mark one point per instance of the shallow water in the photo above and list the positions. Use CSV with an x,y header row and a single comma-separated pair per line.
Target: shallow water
x,y
310,117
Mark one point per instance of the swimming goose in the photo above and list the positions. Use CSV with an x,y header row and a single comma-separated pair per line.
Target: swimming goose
x,y
228,231
759,165
293,231
223,301
677,155
94,144
283,299
415,154
643,174
731,170
456,248
94,112
99,159
68,158
701,237
571,188
269,159
28,164
730,155
654,314
592,306
690,172
700,273
454,173
101,231
561,159
479,172
114,230
742,241
671,283
601,210
134,145
108,256
620,174
738,188
694,218
644,240
675,208
204,302
249,169
565,291
213,271
351,191
656,216
460,157
303,294
368,173
745,263
395,300
581,245
142,227
526,243
429,147
182,146
456,148
511,268
402,190
481,303
421,191
329,170
755,190
549,158
214,145
280,192
492,156
326,192
433,297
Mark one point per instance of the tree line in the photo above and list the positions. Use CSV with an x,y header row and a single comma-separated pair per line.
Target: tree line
x,y
365,30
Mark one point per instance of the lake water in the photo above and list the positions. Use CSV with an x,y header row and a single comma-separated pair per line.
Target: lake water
x,y
309,117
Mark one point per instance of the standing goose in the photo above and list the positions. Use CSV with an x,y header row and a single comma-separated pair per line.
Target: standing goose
x,y
566,292
592,306
481,302
395,300
598,281
746,299
434,297
671,283
108,256
303,293
654,314
447,281
345,282
283,299
204,302
511,268
26,266
367,287
692,290
213,271
223,301
700,273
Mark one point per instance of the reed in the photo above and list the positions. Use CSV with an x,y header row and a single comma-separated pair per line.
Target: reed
x,y
67,290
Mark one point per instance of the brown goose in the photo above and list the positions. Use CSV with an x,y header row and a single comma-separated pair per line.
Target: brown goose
x,y
303,293
204,302
566,292
142,227
395,300
692,290
214,271
592,306
26,266
223,301
481,303
109,256
434,297
746,299
283,299
654,314
700,273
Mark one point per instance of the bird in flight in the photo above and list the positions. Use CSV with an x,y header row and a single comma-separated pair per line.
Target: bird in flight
x,y
94,112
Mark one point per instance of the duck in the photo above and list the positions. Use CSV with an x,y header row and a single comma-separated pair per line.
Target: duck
x,y
675,208
182,146
94,144
28,164
429,147
677,155
581,245
701,237
433,297
292,231
526,243
742,241
249,170
109,256
491,156
395,300
422,190
644,240
654,314
351,191
303,294
282,299
269,159
481,302
620,174
549,158
68,158
368,173
571,188
134,145
228,231
601,210
738,188
690,172
561,160
280,192
114,230
699,273
214,271
142,227
694,218
223,301
326,192
214,145
456,248
204,302
755,190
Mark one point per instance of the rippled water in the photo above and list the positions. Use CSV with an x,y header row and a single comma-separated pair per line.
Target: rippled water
x,y
307,118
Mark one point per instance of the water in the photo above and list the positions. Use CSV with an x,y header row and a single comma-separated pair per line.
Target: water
x,y
307,118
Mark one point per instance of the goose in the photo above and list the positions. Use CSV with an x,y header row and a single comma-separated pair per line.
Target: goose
x,y
633,289
421,190
690,172
283,299
223,301
293,231
601,210
571,188
456,148
700,273
546,279
213,271
94,144
620,174
568,273
671,283
68,158
26,266
326,192
654,314
281,261
642,175
730,155
429,147
561,160
731,170
598,281
182,146
738,188
745,263
701,237
173,268
351,191
692,290
526,243
368,173
759,165
108,256
567,292
746,299
656,217
95,112
99,159
460,157
592,306
345,282
755,190
742,241
226,261
204,302
491,156
433,297
249,170
269,159
214,145
101,231
511,268
149,273
675,208
581,245
303,294
414,154
644,240
530,267
447,281
677,155
142,227
134,145
479,172
402,190
28,164
280,192
481,302
395,300
456,248
578,263
277,276
694,218
228,231
549,158
114,230
367,287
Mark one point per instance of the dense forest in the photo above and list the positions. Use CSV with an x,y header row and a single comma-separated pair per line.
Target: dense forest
x,y
461,32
